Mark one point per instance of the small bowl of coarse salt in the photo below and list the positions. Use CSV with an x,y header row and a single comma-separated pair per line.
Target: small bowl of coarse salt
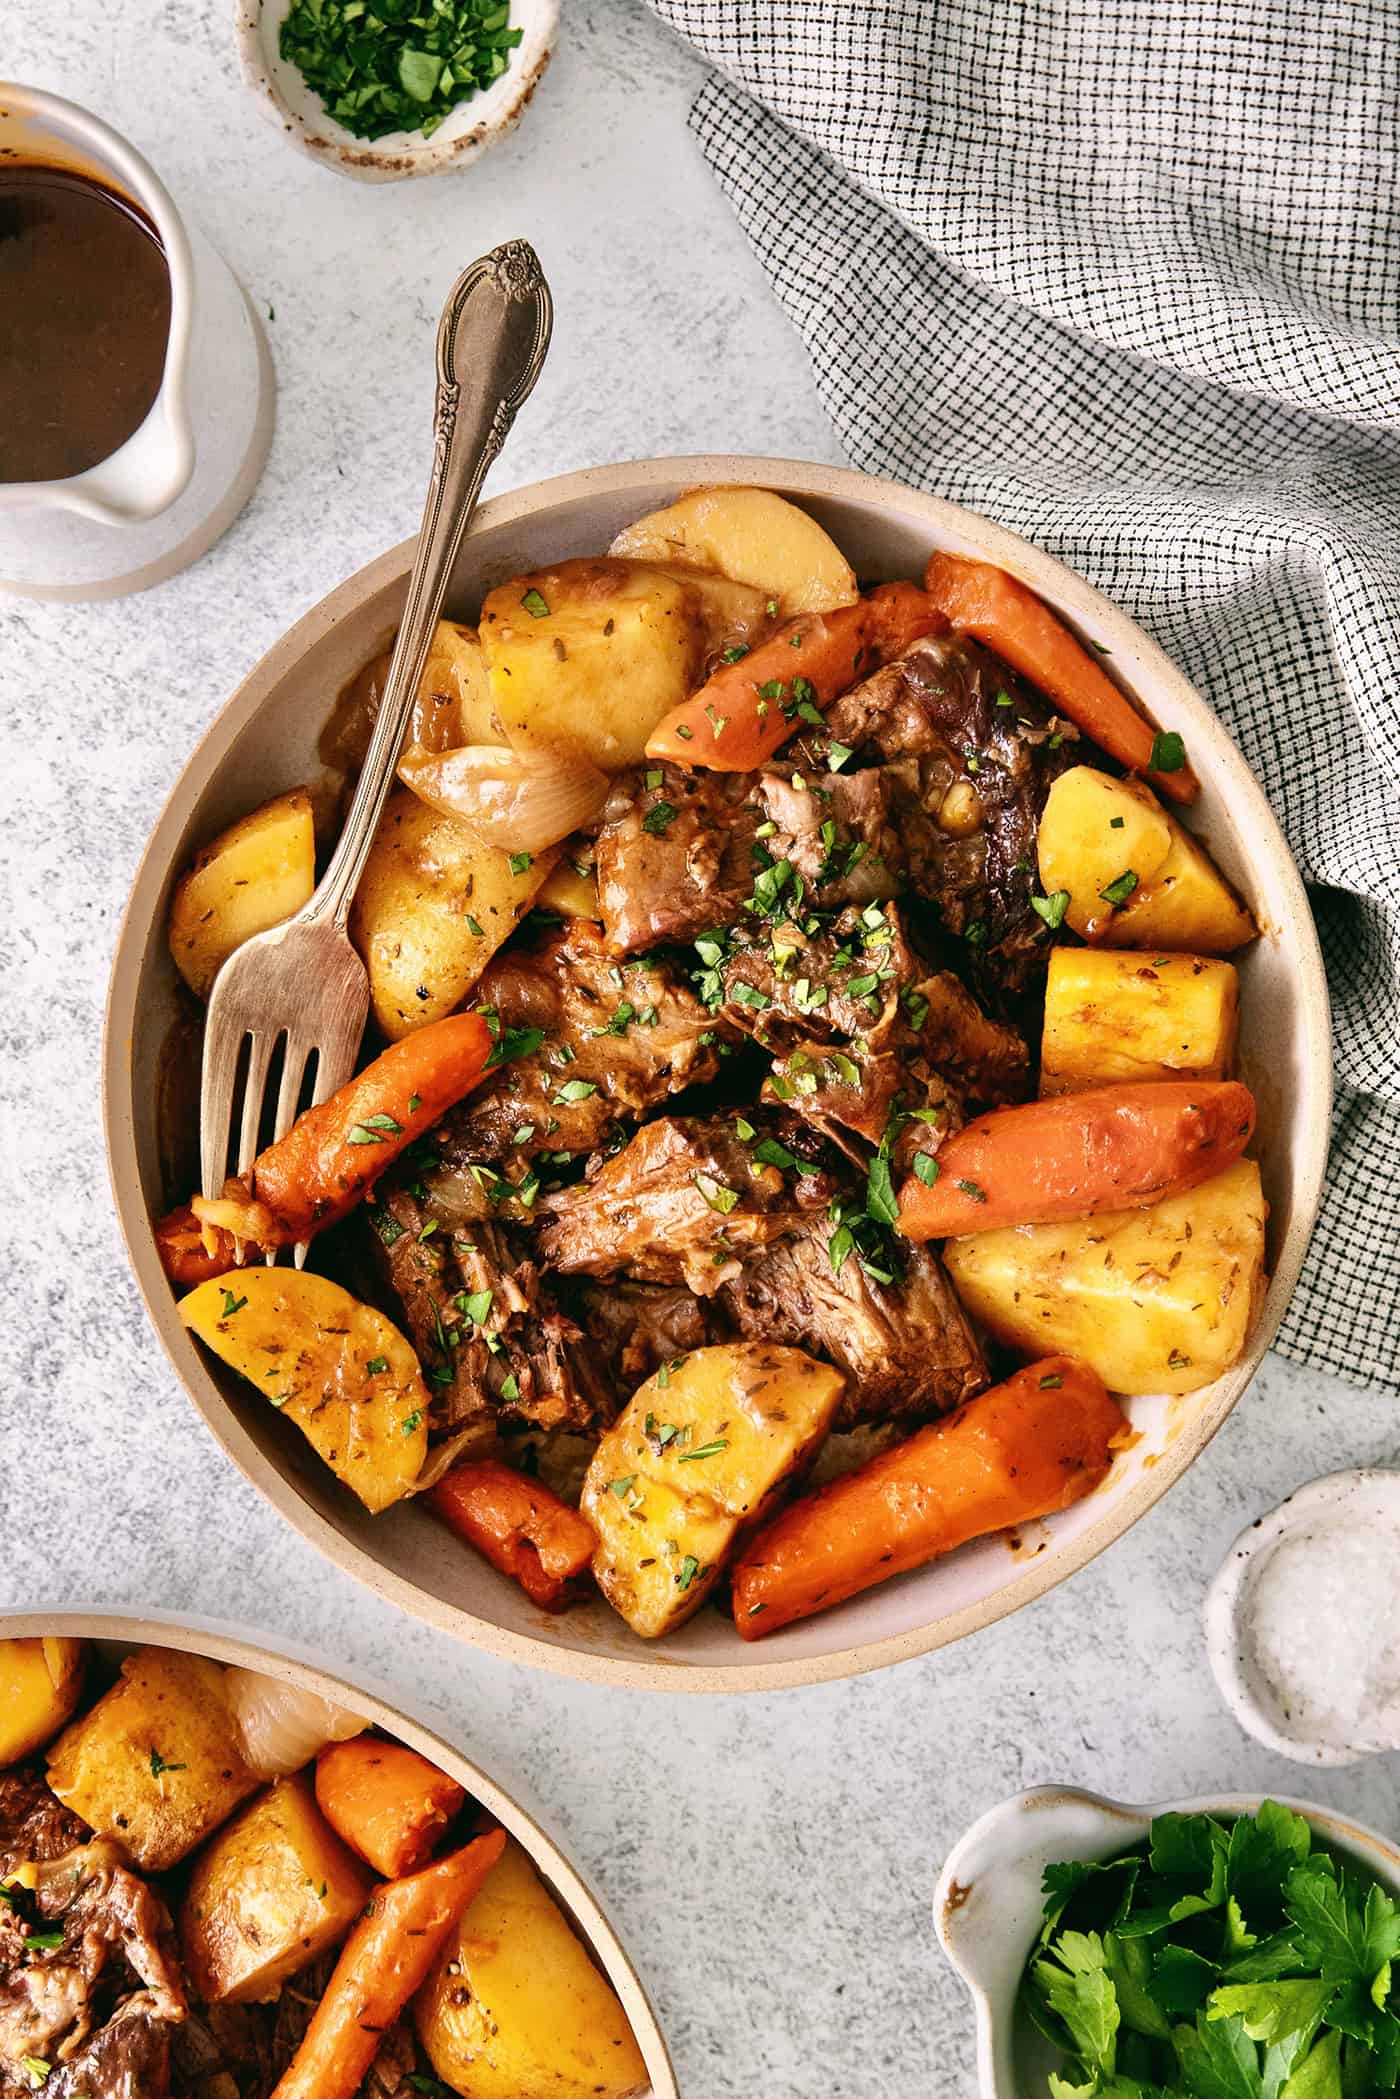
x,y
1303,1621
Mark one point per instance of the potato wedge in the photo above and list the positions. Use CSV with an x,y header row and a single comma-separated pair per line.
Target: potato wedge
x,y
39,1685
1133,875
1113,1015
337,1368
1157,1300
590,655
156,1763
433,905
752,536
700,1450
515,2004
252,876
272,1890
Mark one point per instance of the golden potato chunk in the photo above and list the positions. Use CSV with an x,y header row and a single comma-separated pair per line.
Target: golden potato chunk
x,y
590,655
1114,1015
251,877
1157,1300
1132,875
273,1889
156,1763
699,1451
515,2004
337,1368
433,905
39,1685
751,536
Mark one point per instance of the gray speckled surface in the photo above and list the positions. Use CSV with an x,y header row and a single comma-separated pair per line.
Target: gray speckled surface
x,y
768,1861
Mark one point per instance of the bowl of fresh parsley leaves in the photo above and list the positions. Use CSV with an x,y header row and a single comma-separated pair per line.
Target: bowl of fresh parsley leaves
x,y
1207,1949
380,89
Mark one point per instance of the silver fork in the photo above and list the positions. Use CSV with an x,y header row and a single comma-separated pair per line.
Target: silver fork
x,y
303,980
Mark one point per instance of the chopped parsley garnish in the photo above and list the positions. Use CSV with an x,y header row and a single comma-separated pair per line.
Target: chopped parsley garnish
x,y
1121,888
521,863
510,1388
926,1168
837,754
719,1196
376,1366
744,1129
1051,1382
535,604
477,1306
654,778
658,817
232,1304
512,1042
622,1487
689,1568
735,653
158,1765
407,1426
388,1227
706,1450
880,1200
750,995
972,1191
396,67
1052,908
475,927
770,1153
575,1090
772,690
375,1129
50,1941
1168,754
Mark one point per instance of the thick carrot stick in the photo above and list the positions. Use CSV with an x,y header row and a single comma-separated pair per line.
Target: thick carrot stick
x,y
995,609
388,1803
520,1527
385,1959
747,709
333,1154
1024,1449
1110,1148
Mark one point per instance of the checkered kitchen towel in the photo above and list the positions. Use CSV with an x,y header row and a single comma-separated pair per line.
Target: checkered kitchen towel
x,y
1125,275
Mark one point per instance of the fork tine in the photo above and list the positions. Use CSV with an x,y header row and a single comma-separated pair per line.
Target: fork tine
x,y
223,1039
294,1058
259,1057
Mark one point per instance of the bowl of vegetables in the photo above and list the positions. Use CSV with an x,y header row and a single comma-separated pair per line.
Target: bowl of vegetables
x,y
223,1869
1200,1947
392,91
846,1095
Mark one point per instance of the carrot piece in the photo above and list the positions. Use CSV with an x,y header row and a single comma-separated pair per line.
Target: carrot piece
x,y
1120,1147
746,710
334,1153
520,1527
1026,1448
388,1803
185,1256
385,1959
1008,618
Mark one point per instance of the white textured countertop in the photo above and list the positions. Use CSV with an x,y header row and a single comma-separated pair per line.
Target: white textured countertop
x,y
769,1861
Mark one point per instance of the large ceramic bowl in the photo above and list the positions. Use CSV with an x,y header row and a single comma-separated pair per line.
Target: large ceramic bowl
x,y
265,741
117,1635
987,1909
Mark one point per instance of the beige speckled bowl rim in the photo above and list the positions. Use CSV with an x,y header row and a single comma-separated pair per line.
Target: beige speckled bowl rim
x,y
230,1645
1211,748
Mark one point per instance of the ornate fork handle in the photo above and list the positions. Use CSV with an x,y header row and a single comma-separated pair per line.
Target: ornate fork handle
x,y
492,341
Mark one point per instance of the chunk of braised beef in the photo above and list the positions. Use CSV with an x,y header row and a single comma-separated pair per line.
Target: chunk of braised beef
x,y
861,1089
837,830
495,1345
34,1824
969,751
905,1344
674,854
688,1197
640,1326
616,1038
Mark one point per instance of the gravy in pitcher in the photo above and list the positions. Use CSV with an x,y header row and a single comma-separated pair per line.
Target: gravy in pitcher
x,y
84,320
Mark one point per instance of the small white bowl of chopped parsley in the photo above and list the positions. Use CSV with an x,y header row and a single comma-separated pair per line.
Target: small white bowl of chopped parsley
x,y
381,89
1223,1948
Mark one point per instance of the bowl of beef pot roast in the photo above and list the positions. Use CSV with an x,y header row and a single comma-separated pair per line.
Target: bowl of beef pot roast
x,y
845,1098
226,1870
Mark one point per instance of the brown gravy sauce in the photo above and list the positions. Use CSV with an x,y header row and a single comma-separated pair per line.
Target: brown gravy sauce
x,y
84,321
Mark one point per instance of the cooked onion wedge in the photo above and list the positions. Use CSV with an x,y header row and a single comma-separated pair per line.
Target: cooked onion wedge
x,y
521,801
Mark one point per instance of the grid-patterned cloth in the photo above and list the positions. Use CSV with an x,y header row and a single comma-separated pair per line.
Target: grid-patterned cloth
x,y
1125,275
